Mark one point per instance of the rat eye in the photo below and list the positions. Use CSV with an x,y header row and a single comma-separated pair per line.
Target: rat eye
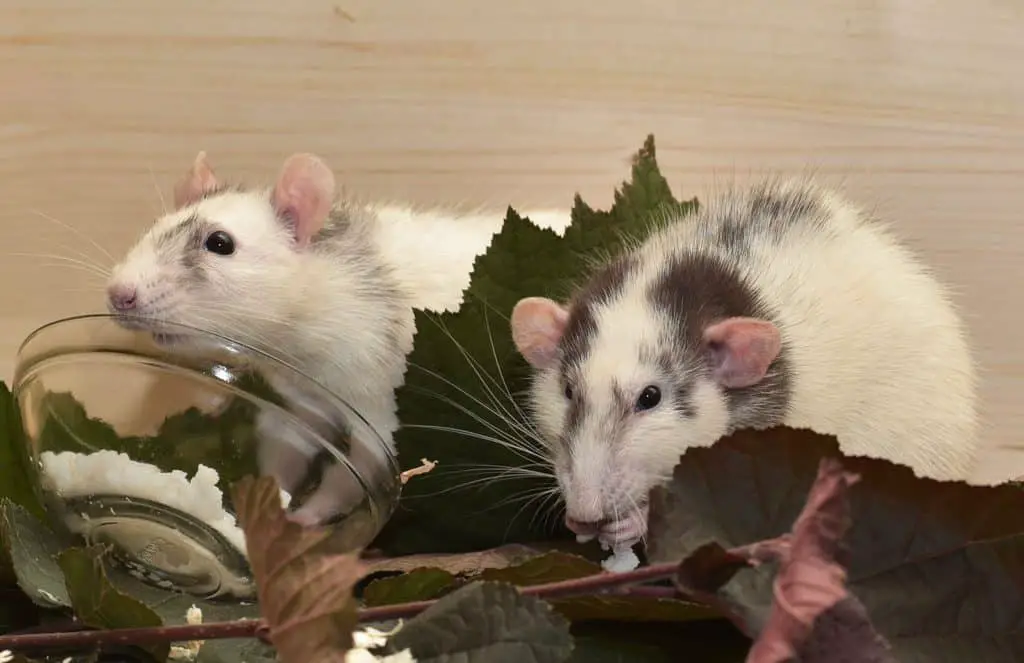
x,y
220,242
568,392
649,398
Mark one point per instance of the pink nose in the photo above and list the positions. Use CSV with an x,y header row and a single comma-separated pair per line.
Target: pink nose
x,y
583,528
122,297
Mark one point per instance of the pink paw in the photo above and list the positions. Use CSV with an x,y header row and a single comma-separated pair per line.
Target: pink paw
x,y
626,532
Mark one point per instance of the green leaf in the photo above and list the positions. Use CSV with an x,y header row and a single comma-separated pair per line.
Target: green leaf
x,y
34,549
557,566
97,603
19,478
172,608
417,585
486,622
183,442
464,367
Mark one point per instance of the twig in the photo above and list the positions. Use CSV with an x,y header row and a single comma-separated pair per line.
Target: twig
x,y
596,584
244,628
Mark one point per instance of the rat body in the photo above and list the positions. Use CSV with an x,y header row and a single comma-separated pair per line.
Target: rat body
x,y
778,304
326,285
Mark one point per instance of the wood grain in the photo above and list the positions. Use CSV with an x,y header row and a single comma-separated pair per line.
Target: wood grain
x,y
914,107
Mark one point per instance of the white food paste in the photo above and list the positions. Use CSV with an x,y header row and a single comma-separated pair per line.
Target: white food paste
x,y
72,474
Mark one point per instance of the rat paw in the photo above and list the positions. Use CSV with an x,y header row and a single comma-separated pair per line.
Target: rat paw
x,y
626,532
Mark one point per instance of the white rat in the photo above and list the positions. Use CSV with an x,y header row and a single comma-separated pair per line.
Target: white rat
x,y
326,285
777,304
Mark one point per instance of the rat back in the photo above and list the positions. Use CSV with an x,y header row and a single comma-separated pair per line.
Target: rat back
x,y
877,355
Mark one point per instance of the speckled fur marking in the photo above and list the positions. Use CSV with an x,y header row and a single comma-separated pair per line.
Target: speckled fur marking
x,y
695,291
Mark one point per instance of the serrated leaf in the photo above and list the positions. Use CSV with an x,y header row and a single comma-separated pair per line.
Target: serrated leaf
x,y
19,478
558,566
457,400
304,577
938,566
33,549
486,622
416,585
97,603
183,442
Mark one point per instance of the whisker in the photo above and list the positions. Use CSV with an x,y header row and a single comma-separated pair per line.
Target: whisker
x,y
480,373
501,375
525,453
526,446
64,261
522,445
156,187
75,230
525,506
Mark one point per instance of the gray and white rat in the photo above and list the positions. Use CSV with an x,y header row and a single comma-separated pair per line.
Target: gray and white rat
x,y
776,304
326,285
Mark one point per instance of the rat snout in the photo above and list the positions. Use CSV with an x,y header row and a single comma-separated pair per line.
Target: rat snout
x,y
584,528
122,298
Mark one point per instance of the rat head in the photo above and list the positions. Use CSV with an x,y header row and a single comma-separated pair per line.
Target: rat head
x,y
623,387
225,259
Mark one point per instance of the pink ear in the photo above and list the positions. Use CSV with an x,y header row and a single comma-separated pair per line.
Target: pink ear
x,y
197,182
304,194
537,327
741,350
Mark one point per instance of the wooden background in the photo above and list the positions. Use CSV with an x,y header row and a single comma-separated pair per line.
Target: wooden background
x,y
915,107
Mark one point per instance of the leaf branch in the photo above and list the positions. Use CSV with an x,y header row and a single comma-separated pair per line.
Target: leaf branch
x,y
596,584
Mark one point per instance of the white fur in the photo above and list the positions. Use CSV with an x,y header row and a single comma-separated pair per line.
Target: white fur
x,y
314,310
879,358
433,250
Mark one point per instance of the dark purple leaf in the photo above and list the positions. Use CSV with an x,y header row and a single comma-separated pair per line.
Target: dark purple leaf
x,y
938,567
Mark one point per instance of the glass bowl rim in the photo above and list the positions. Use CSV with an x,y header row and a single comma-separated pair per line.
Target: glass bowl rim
x,y
22,361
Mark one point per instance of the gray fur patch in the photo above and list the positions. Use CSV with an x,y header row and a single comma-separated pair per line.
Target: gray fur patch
x,y
683,379
603,286
764,210
347,236
582,327
694,291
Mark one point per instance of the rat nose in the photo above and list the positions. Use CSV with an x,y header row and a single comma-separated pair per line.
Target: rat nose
x,y
122,297
590,528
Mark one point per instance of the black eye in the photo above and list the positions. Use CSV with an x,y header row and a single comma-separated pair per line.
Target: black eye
x,y
220,242
649,398
568,392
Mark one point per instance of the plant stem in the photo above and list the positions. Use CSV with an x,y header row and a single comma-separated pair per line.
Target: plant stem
x,y
599,583
246,628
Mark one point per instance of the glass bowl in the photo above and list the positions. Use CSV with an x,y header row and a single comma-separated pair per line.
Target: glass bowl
x,y
138,434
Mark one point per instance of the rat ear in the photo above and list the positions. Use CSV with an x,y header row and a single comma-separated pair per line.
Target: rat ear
x,y
537,327
304,194
197,182
741,350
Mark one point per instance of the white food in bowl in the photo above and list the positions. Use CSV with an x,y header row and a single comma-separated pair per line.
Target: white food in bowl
x,y
71,474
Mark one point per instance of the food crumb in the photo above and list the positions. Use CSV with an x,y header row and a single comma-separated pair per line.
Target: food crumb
x,y
425,467
190,649
621,560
